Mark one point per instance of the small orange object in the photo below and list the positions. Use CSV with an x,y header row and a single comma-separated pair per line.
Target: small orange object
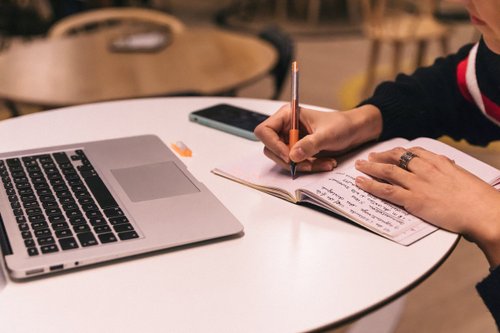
x,y
182,149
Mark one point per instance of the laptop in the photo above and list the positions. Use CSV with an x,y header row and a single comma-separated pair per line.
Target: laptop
x,y
75,205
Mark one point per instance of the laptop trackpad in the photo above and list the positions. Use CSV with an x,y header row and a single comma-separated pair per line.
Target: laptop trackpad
x,y
153,181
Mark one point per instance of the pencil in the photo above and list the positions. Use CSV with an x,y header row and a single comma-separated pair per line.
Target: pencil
x,y
295,114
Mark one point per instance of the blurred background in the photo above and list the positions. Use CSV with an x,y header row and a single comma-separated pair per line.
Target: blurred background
x,y
344,48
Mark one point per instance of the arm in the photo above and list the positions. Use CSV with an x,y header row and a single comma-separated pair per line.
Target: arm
x,y
429,102
442,193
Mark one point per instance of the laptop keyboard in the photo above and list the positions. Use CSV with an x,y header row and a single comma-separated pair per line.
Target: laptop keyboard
x,y
60,203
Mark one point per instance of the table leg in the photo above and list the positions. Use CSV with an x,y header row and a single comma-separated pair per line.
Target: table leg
x,y
384,320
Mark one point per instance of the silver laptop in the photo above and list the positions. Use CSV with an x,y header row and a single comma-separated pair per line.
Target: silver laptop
x,y
74,205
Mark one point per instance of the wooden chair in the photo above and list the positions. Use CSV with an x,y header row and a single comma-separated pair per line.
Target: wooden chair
x,y
400,22
95,20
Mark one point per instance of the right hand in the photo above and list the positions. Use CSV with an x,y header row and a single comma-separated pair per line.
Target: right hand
x,y
322,134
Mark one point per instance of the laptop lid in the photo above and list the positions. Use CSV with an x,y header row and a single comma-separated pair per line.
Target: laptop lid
x,y
134,196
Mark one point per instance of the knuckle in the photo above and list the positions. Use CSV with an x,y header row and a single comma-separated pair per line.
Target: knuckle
x,y
389,170
397,152
413,205
416,150
387,190
444,159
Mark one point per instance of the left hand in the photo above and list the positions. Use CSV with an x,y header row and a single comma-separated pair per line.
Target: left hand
x,y
437,190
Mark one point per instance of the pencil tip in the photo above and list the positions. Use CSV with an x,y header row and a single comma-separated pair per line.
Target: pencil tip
x,y
292,170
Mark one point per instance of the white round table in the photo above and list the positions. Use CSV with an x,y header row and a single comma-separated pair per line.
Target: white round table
x,y
295,269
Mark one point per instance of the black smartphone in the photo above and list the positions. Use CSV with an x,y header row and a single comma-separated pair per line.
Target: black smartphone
x,y
229,118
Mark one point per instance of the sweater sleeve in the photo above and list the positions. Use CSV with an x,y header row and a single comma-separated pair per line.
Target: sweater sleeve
x,y
429,103
489,290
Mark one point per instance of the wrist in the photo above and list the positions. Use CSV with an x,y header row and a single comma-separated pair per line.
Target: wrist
x,y
488,235
367,123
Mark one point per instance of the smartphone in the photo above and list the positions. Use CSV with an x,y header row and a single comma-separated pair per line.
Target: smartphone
x,y
229,118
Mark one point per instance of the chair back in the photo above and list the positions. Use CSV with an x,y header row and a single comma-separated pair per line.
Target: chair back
x,y
397,18
95,20
284,46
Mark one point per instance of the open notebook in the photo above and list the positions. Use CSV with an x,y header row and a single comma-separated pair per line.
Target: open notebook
x,y
337,192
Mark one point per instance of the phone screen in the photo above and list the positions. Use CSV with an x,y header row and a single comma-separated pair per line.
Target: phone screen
x,y
229,118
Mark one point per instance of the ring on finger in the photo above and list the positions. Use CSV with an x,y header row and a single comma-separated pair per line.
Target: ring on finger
x,y
405,159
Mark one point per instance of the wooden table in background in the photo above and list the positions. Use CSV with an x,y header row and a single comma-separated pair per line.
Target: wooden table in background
x,y
82,69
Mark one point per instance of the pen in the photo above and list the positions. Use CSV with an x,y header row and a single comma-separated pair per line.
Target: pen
x,y
295,116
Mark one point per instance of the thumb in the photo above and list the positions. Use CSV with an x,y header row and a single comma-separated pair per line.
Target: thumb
x,y
305,148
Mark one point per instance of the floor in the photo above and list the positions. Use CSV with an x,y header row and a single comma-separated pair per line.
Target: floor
x,y
331,76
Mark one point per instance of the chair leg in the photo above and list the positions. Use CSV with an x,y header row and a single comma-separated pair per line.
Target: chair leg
x,y
14,112
313,11
281,9
396,60
421,51
372,67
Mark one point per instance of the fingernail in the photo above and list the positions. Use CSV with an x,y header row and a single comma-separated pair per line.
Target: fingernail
x,y
360,180
360,163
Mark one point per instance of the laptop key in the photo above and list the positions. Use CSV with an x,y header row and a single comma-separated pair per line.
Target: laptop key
x,y
42,233
100,229
61,157
63,233
49,248
87,239
68,243
123,227
100,192
46,240
128,235
113,212
81,228
107,237
30,242
77,220
32,251
20,219
23,227
39,225
98,221
118,220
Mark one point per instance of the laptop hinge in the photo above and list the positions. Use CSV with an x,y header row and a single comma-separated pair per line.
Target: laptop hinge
x,y
4,240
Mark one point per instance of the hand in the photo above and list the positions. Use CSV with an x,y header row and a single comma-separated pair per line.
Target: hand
x,y
437,190
322,133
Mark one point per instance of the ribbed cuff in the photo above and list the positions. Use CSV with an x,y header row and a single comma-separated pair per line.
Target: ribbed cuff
x,y
489,289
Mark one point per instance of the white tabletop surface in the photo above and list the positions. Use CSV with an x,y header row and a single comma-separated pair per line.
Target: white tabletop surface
x,y
295,269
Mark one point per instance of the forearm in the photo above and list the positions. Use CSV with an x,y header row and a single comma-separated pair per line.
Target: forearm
x,y
366,124
485,231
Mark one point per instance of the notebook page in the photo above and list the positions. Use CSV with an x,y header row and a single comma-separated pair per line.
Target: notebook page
x,y
259,170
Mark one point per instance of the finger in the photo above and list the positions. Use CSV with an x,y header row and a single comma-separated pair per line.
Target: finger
x,y
392,193
394,157
305,148
391,156
278,160
270,130
317,165
387,172
433,158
